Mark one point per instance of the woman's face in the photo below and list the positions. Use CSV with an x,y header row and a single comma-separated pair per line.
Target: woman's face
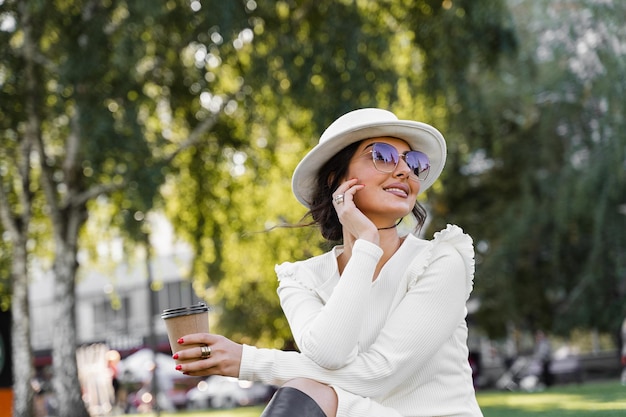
x,y
386,197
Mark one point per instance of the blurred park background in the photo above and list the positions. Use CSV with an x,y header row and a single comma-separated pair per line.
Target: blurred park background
x,y
146,151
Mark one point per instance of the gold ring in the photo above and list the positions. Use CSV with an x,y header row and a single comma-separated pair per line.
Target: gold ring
x,y
205,352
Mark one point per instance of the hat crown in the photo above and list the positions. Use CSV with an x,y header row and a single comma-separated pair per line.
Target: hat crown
x,y
356,119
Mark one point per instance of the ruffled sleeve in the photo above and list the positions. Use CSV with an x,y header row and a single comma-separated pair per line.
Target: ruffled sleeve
x,y
452,237
317,275
292,271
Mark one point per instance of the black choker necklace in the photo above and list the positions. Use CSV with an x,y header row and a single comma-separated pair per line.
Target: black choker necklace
x,y
391,227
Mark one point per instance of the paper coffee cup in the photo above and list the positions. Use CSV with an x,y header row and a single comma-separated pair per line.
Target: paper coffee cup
x,y
183,321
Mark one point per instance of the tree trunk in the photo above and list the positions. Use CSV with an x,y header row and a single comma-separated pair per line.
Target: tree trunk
x,y
20,334
17,220
65,381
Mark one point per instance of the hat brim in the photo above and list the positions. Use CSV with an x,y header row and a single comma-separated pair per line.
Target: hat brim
x,y
419,136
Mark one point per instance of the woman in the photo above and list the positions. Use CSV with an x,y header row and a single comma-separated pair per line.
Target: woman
x,y
380,319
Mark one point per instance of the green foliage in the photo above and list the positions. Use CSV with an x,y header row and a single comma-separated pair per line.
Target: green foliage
x,y
458,38
547,170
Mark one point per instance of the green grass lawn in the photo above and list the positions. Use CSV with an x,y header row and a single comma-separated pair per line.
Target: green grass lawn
x,y
593,399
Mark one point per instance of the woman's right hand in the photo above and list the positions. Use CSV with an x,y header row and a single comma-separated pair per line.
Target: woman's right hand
x,y
351,218
225,357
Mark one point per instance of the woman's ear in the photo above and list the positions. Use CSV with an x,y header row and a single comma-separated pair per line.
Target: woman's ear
x,y
330,180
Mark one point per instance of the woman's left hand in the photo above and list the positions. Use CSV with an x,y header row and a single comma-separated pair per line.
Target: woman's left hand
x,y
225,357
353,221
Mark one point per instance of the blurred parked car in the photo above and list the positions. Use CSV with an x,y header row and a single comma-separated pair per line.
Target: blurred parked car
x,y
525,373
227,392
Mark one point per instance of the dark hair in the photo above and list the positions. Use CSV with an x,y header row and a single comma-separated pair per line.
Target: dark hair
x,y
329,177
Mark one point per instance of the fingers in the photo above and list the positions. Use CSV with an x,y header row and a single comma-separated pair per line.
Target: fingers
x,y
197,338
208,354
344,194
353,221
194,347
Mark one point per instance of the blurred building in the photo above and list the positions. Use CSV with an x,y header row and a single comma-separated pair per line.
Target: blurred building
x,y
113,304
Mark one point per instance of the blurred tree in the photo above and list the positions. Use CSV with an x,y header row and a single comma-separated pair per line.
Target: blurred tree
x,y
77,93
543,189
16,212
5,268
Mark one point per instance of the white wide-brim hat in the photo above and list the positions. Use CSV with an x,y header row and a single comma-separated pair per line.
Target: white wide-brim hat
x,y
364,124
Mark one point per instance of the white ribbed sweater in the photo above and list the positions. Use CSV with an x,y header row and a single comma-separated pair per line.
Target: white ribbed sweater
x,y
393,347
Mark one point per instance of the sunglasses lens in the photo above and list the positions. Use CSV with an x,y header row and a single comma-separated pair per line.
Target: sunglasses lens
x,y
419,164
385,157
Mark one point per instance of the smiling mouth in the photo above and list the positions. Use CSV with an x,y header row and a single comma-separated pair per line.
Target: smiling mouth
x,y
397,190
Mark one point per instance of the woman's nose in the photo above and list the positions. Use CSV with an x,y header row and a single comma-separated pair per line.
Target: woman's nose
x,y
402,169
